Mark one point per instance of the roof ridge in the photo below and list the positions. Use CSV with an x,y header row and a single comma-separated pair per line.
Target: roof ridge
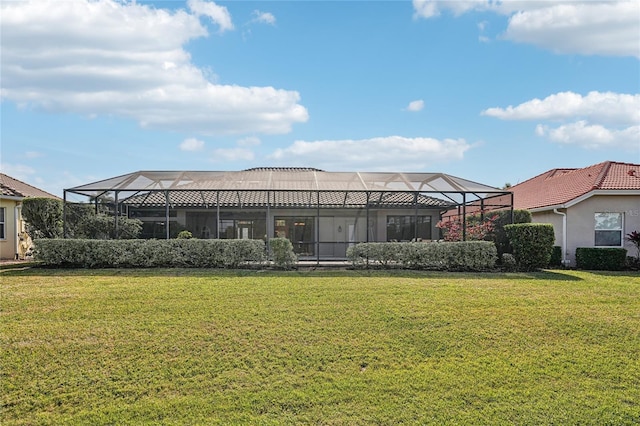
x,y
548,172
606,166
283,169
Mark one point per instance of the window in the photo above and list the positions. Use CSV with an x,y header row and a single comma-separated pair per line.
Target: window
x,y
403,228
2,227
608,227
299,230
243,229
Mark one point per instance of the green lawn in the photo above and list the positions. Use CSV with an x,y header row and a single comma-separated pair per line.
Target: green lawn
x,y
323,347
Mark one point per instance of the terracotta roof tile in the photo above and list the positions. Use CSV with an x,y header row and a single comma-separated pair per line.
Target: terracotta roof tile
x,y
559,186
12,187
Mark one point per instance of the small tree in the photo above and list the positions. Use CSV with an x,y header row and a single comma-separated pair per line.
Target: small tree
x,y
43,217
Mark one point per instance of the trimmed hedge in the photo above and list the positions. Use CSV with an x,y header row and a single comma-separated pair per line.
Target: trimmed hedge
x,y
532,244
185,253
603,259
556,257
445,256
282,253
499,235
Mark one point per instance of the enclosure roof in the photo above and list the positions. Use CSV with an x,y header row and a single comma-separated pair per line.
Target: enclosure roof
x,y
290,199
282,179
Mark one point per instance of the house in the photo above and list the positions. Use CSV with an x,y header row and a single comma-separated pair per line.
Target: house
x,y
14,242
322,213
595,206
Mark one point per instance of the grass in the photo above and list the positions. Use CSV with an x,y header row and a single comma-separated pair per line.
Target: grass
x,y
334,347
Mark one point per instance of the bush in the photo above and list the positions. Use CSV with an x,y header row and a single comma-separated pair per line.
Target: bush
x,y
603,259
509,262
499,235
193,253
184,235
282,253
43,217
556,257
74,215
634,238
450,256
532,244
102,227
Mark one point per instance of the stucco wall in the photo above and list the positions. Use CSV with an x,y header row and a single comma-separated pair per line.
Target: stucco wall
x,y
8,244
581,221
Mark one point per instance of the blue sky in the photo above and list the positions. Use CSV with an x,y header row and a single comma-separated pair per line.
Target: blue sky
x,y
489,91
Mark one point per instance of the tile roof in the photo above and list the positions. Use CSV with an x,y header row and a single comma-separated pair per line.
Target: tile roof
x,y
560,186
281,199
12,187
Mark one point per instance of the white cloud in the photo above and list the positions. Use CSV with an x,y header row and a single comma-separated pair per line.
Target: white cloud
x,y
218,14
605,107
382,153
128,60
597,120
249,141
415,106
232,154
591,136
18,171
263,17
433,8
588,27
192,144
611,28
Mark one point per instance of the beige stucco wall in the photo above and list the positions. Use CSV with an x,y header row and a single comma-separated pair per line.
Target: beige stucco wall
x,y
8,244
581,221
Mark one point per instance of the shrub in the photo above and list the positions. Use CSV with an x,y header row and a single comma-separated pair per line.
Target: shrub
x,y
475,228
532,244
74,214
43,217
282,253
451,256
499,235
603,259
184,235
556,257
193,253
102,227
509,262
634,238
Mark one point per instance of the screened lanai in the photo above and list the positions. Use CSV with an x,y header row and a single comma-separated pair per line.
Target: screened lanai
x,y
322,213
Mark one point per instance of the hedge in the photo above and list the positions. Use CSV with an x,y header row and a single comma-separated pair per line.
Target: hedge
x,y
449,256
187,253
282,253
603,259
498,235
532,244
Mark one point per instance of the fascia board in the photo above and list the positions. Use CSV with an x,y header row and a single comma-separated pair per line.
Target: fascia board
x,y
577,200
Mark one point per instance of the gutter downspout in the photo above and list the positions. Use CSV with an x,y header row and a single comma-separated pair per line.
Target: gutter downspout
x,y
16,231
564,236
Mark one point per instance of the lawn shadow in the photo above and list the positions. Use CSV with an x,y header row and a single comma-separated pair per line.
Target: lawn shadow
x,y
35,270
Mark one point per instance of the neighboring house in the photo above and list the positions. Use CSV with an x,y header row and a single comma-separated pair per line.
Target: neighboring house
x,y
14,242
321,213
591,207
